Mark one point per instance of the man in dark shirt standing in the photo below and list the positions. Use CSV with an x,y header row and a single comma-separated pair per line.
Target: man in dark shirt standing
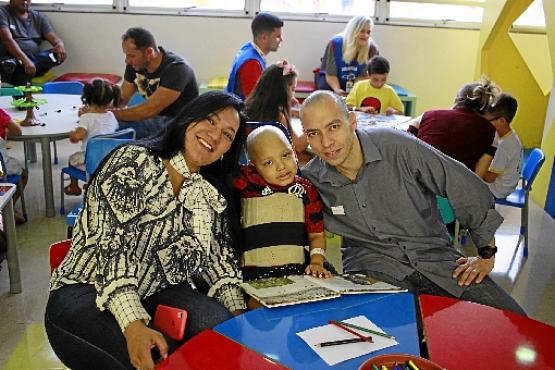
x,y
21,33
164,79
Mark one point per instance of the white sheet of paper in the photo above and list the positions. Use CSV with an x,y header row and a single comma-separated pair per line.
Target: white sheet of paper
x,y
336,354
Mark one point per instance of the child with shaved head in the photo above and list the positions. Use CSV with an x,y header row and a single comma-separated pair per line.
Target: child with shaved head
x,y
281,212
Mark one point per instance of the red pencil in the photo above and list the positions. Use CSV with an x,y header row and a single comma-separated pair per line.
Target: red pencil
x,y
338,324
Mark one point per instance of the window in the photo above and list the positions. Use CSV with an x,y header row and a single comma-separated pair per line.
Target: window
x,y
533,16
190,4
75,2
332,7
432,11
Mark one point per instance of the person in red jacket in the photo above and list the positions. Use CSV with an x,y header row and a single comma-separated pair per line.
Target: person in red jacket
x,y
250,59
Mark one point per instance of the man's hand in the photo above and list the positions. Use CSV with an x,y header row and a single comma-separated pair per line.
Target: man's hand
x,y
472,269
30,69
60,52
140,340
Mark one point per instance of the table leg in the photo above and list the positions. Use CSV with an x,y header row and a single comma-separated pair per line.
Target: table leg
x,y
11,254
31,149
47,176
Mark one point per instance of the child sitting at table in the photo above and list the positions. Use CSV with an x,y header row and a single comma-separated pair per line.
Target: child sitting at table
x,y
503,172
99,95
280,211
13,166
273,100
374,95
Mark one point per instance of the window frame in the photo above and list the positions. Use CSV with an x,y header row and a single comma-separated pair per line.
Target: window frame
x,y
381,13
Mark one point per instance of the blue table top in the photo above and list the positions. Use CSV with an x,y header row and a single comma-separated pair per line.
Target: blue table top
x,y
272,331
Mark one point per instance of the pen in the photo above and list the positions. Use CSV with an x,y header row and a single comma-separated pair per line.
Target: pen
x,y
341,341
367,330
339,325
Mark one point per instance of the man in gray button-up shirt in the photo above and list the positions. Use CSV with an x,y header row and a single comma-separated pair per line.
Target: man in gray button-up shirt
x,y
379,188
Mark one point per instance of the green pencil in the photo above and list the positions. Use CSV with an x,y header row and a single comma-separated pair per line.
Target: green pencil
x,y
367,330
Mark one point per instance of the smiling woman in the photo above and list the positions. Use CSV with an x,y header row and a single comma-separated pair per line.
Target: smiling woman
x,y
346,55
154,223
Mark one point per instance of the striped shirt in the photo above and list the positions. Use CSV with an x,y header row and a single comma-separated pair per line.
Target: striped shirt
x,y
134,237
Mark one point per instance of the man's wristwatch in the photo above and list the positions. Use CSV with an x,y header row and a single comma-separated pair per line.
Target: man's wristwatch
x,y
487,252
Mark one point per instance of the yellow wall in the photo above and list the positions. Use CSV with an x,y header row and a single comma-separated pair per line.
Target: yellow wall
x,y
541,184
502,61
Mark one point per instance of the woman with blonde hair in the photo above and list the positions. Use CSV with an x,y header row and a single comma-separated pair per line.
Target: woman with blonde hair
x,y
461,132
346,55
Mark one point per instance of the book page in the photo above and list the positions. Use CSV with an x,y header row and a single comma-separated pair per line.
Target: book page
x,y
355,284
287,290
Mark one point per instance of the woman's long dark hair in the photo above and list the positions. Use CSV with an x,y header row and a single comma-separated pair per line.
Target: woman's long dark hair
x,y
171,140
270,97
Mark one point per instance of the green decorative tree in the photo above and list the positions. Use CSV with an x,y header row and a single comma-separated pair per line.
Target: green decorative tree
x,y
29,103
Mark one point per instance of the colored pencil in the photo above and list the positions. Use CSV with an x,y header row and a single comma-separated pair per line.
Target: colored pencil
x,y
341,341
339,325
353,326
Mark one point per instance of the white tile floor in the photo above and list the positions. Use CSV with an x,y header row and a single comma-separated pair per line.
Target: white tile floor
x,y
23,343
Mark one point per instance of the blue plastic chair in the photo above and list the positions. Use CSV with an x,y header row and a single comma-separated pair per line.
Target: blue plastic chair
x,y
16,180
98,147
63,87
448,217
519,197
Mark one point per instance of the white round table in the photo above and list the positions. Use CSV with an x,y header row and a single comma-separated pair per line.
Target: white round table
x,y
59,116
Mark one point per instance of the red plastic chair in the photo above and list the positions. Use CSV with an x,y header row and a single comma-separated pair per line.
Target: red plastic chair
x,y
58,252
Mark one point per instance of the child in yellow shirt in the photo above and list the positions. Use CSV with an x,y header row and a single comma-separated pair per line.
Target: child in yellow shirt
x,y
374,95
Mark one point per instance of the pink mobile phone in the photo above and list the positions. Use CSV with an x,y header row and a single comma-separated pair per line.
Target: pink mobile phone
x,y
171,321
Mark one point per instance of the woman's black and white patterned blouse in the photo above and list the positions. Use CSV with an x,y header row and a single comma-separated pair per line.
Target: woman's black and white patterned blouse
x,y
134,237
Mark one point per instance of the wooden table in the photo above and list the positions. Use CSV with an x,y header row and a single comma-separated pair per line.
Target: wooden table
x,y
59,116
6,205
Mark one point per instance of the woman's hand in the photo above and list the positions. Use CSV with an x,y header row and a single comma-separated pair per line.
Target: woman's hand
x,y
472,269
340,92
140,340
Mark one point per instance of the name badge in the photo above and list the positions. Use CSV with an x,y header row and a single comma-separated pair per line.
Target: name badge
x,y
338,210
